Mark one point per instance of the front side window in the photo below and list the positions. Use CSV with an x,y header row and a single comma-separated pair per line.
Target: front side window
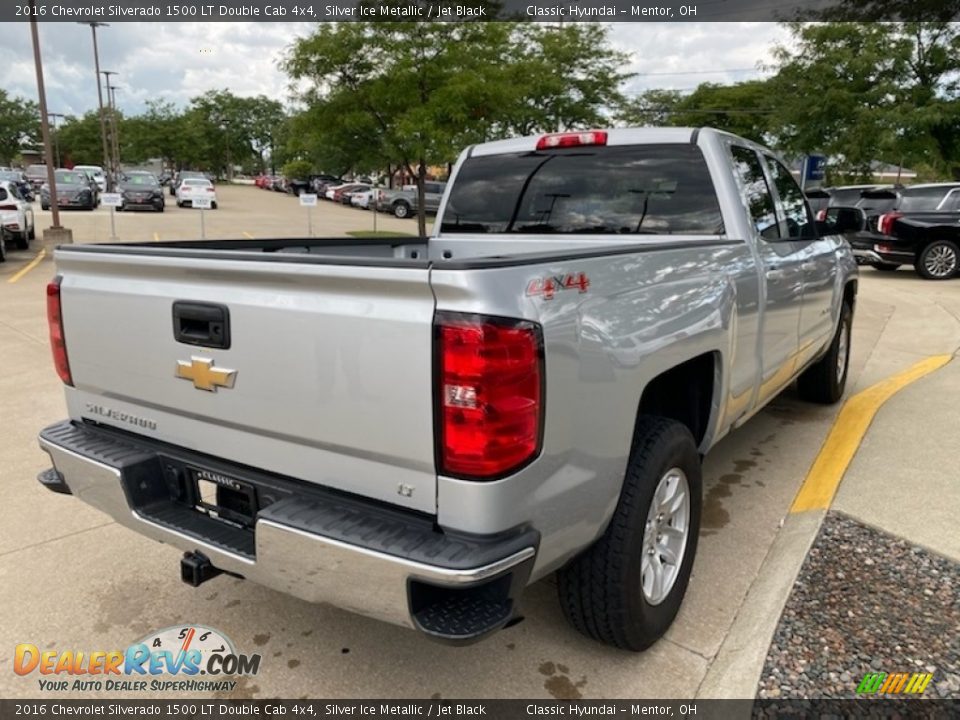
x,y
749,173
626,189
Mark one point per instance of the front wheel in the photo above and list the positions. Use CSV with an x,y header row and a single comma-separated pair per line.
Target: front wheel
x,y
626,589
938,261
825,380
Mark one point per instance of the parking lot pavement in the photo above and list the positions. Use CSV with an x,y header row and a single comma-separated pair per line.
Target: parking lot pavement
x,y
242,211
77,581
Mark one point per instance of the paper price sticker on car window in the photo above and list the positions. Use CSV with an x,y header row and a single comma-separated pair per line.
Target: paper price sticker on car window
x,y
308,200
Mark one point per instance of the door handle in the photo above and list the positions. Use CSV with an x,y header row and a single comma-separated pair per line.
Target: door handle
x,y
808,266
203,324
776,274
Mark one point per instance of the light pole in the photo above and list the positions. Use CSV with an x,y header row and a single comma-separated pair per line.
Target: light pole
x,y
56,233
112,124
56,135
103,124
115,116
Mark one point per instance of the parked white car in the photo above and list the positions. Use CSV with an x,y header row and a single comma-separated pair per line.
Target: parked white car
x,y
96,172
365,199
191,188
18,215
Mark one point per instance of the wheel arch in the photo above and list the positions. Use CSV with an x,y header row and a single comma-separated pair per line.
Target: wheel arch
x,y
688,392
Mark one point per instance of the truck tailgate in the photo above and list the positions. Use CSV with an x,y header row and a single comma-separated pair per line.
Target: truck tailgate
x,y
332,381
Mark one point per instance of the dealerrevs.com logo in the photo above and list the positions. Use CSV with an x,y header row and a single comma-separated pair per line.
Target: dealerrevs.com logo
x,y
188,658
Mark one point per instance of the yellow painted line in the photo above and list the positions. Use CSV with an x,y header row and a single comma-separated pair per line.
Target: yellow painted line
x,y
847,433
28,267
248,235
156,237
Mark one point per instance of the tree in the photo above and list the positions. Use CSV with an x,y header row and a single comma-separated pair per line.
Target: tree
x,y
870,91
414,94
745,109
19,125
80,139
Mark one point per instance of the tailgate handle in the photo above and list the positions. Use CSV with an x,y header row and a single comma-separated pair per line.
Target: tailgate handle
x,y
201,324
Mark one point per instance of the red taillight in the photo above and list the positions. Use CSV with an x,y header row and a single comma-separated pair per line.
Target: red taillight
x,y
572,139
55,323
885,223
490,392
8,207
209,189
822,214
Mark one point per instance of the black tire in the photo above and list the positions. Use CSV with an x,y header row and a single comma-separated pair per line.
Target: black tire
x,y
823,382
3,248
33,231
601,590
44,206
887,267
22,240
940,260
213,206
401,210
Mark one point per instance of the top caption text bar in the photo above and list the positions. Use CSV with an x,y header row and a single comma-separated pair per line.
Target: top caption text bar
x,y
556,11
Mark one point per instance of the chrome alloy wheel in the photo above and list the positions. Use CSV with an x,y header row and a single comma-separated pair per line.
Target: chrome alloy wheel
x,y
843,343
665,536
941,261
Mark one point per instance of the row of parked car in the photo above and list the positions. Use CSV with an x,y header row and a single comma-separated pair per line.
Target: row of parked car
x,y
889,226
361,193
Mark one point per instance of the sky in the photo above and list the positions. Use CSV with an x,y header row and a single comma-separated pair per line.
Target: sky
x,y
177,61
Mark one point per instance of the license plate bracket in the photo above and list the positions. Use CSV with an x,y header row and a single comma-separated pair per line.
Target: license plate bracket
x,y
224,497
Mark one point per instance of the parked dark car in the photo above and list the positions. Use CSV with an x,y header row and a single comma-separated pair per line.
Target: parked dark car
x,y
906,229
928,241
36,175
141,190
73,191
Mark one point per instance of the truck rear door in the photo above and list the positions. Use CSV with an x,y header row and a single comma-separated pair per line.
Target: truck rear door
x,y
320,372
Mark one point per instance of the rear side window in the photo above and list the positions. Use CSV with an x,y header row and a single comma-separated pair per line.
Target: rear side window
x,y
634,189
921,199
749,172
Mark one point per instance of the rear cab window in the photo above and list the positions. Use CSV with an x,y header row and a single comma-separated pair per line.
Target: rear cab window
x,y
657,189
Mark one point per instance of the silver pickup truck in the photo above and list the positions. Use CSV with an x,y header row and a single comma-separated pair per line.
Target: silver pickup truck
x,y
415,430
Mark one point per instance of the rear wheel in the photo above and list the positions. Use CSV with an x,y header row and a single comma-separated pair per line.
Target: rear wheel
x,y
824,381
401,210
939,260
626,589
23,240
3,247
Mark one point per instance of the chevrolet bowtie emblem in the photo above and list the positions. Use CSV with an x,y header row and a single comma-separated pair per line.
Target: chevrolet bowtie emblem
x,y
204,375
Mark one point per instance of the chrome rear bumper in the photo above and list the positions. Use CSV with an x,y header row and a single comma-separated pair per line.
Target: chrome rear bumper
x,y
289,557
